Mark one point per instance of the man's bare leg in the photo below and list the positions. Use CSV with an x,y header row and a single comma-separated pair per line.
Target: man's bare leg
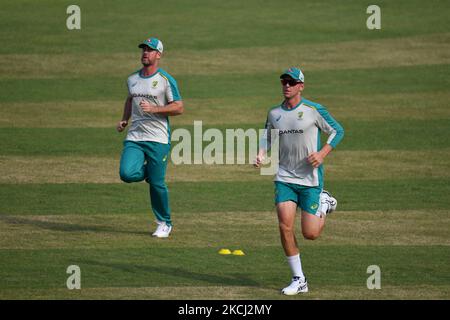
x,y
312,225
286,223
286,220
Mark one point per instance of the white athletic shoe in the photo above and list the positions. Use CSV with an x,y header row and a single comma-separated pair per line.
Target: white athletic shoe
x,y
163,230
298,285
327,201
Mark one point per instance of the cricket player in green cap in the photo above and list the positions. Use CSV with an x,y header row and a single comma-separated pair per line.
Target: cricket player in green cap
x,y
153,96
299,180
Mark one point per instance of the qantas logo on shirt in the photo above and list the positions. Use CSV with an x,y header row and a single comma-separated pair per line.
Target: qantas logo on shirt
x,y
291,131
148,96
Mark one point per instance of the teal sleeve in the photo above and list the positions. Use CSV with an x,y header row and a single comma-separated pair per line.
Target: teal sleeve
x,y
174,88
336,126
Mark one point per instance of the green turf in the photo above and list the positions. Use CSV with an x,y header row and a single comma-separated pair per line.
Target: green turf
x,y
230,25
61,93
397,135
216,196
154,266
362,81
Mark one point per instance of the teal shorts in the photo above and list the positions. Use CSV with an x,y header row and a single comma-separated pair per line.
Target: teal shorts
x,y
307,198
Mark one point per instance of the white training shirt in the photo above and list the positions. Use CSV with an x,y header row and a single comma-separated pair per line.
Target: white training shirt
x,y
160,89
299,131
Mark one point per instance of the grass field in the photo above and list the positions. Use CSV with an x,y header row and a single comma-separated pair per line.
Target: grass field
x,y
62,203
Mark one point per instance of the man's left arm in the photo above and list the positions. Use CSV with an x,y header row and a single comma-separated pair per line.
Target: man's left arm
x,y
330,126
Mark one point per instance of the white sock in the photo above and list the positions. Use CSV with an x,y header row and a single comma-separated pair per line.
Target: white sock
x,y
296,266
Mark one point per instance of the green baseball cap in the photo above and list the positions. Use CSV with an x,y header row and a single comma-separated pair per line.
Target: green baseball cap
x,y
294,73
152,43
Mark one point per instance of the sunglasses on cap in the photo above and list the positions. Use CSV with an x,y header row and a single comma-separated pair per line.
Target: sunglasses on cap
x,y
291,82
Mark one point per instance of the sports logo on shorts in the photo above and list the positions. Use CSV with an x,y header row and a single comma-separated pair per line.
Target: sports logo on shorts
x,y
314,206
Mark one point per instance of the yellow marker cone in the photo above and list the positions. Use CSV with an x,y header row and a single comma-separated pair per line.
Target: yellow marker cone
x,y
238,253
224,251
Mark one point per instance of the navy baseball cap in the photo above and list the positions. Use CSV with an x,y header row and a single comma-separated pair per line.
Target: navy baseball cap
x,y
294,73
152,43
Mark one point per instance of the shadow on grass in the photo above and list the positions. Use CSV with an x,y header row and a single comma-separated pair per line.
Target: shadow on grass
x,y
66,227
233,279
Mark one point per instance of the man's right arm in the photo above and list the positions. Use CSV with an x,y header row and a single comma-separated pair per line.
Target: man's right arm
x,y
264,144
126,115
